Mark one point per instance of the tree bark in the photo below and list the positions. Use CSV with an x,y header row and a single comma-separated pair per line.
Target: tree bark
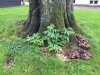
x,y
44,12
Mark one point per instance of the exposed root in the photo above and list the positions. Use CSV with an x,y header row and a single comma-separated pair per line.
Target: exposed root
x,y
75,52
82,42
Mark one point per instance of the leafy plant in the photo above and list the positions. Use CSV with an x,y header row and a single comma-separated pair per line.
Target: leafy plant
x,y
64,35
20,46
56,38
35,39
17,46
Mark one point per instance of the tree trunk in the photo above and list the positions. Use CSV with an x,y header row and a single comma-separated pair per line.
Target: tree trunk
x,y
44,12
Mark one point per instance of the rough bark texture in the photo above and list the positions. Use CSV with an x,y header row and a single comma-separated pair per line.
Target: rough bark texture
x,y
44,12
33,22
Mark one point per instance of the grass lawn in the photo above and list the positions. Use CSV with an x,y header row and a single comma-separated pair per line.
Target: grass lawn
x,y
27,59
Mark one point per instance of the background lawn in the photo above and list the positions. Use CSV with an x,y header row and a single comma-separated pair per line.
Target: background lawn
x,y
27,59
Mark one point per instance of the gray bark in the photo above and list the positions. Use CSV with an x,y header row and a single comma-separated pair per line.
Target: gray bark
x,y
44,12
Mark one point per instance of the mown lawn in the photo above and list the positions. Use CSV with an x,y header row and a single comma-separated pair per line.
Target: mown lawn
x,y
27,59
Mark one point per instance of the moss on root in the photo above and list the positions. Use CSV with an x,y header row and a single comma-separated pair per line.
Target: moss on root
x,y
57,17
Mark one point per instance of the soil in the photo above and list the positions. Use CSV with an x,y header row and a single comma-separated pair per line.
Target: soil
x,y
8,60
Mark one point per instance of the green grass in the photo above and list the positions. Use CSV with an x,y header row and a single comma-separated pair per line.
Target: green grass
x,y
9,16
27,59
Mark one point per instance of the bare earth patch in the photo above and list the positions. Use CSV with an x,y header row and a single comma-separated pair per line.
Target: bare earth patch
x,y
8,60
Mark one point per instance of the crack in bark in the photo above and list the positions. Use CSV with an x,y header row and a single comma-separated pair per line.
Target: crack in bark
x,y
33,22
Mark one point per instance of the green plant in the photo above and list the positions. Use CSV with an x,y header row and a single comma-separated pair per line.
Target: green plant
x,y
64,35
20,46
35,39
16,46
56,38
